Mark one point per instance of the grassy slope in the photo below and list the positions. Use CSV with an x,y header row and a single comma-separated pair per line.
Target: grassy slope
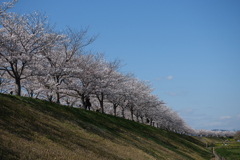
x,y
35,129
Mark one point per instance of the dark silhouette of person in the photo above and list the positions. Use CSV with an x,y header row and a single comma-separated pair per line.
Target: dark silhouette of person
x,y
88,103
147,120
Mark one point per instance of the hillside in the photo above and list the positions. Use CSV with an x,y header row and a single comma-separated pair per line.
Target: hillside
x,y
36,129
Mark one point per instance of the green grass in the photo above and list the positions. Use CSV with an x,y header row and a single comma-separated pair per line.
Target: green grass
x,y
36,129
230,153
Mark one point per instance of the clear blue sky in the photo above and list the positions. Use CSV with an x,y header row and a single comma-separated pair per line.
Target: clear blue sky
x,y
188,49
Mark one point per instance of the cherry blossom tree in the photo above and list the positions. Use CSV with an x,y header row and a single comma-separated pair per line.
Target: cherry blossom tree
x,y
136,93
5,6
60,59
105,80
5,83
146,107
22,39
86,68
32,87
118,96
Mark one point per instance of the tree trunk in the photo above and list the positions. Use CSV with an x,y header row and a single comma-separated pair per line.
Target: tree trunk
x,y
18,86
101,105
141,118
137,115
151,122
131,110
31,93
58,98
83,101
101,102
50,98
123,114
115,109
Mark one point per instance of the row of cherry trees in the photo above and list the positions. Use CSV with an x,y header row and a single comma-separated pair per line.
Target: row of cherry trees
x,y
39,62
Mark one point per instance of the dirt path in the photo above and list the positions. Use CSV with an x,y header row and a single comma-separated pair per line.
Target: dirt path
x,y
216,156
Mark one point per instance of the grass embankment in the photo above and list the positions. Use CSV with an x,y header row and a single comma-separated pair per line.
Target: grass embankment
x,y
36,129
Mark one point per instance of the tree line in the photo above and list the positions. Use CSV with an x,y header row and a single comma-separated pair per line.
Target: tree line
x,y
38,61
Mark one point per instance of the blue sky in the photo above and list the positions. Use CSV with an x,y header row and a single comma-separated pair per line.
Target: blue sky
x,y
188,49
